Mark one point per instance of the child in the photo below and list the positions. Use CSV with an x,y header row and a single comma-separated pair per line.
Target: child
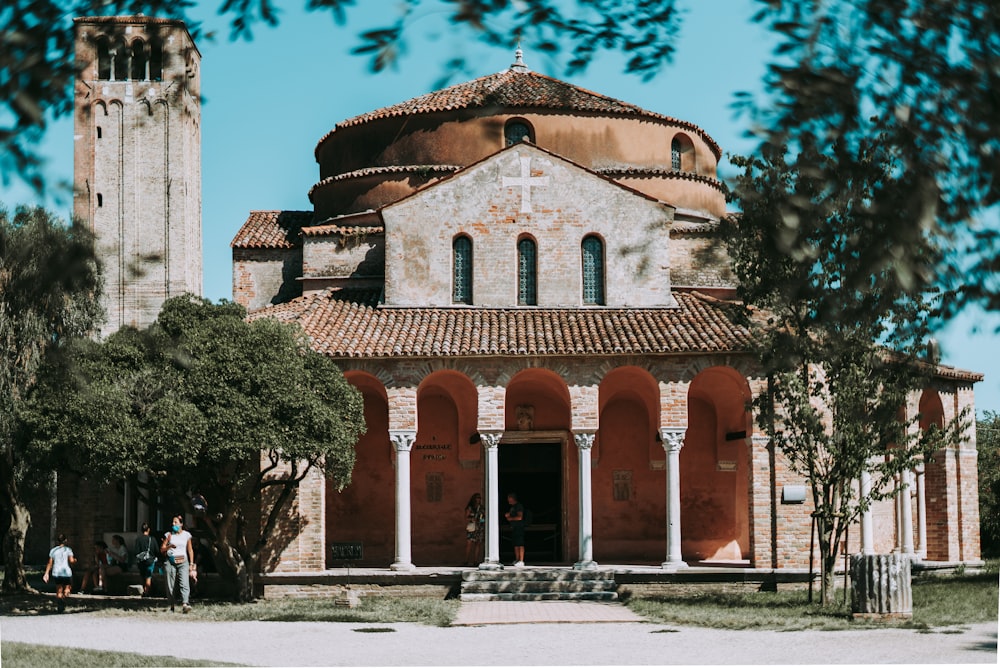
x,y
59,570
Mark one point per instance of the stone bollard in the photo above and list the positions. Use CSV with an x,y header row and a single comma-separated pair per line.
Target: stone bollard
x,y
880,586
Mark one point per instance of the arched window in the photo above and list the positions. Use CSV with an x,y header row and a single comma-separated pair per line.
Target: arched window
x,y
103,59
462,270
138,60
120,60
593,270
682,153
527,289
515,131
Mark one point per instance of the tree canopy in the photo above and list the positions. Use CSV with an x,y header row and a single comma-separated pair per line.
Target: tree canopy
x,y
204,401
49,286
840,346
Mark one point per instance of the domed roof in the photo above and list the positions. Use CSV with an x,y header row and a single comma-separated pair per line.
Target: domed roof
x,y
516,88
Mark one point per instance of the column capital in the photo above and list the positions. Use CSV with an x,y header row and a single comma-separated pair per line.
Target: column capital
x,y
402,439
673,438
491,439
584,439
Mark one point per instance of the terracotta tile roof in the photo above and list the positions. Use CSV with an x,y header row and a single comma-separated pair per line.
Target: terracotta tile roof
x,y
272,229
424,170
516,89
350,324
645,172
339,230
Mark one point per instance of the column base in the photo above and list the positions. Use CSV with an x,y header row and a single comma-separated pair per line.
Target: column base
x,y
402,566
585,566
491,566
674,566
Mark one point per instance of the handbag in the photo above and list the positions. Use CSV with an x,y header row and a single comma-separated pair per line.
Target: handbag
x,y
470,526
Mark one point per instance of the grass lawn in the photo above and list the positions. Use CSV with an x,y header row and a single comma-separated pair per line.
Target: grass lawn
x,y
937,602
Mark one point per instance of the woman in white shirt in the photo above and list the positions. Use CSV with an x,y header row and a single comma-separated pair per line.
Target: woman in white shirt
x,y
180,553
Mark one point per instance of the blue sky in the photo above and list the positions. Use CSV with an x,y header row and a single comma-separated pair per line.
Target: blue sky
x,y
268,101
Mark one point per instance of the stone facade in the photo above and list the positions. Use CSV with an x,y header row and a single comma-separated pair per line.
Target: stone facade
x,y
622,421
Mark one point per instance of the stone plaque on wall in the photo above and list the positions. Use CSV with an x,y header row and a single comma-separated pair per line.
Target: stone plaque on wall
x,y
622,485
435,487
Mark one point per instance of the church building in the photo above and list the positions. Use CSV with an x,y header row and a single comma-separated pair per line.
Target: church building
x,y
524,281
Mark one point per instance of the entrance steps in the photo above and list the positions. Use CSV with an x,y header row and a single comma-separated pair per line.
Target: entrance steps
x,y
539,584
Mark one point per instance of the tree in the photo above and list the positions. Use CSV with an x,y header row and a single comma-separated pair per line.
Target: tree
x,y
839,348
926,73
49,287
205,403
988,445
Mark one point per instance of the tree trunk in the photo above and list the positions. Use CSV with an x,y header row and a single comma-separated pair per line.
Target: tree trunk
x,y
13,543
236,568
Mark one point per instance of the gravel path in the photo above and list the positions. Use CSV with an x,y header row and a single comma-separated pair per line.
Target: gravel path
x,y
346,644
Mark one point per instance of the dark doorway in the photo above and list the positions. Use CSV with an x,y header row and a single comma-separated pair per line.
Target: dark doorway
x,y
534,472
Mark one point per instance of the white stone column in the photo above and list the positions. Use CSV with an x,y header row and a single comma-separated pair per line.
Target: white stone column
x,y
491,443
673,440
584,443
906,514
921,512
867,528
402,441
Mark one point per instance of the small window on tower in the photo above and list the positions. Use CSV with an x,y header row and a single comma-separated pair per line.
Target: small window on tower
x,y
517,131
98,131
100,199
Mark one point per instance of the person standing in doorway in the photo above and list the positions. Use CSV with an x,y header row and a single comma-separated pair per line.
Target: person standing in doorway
x,y
475,523
177,548
60,571
515,515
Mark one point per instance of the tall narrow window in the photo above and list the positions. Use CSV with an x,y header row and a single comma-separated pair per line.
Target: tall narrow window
x,y
103,59
527,292
462,279
516,131
593,270
120,58
675,154
138,60
155,60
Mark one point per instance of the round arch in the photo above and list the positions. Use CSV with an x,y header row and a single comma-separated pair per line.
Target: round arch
x,y
445,466
629,489
715,467
931,411
364,511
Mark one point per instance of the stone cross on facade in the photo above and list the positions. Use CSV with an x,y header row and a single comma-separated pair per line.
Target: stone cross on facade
x,y
526,181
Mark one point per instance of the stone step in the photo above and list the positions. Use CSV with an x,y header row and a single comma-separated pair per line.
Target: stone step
x,y
518,574
546,596
532,586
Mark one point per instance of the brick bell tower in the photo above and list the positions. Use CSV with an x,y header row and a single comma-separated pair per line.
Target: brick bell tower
x,y
137,160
